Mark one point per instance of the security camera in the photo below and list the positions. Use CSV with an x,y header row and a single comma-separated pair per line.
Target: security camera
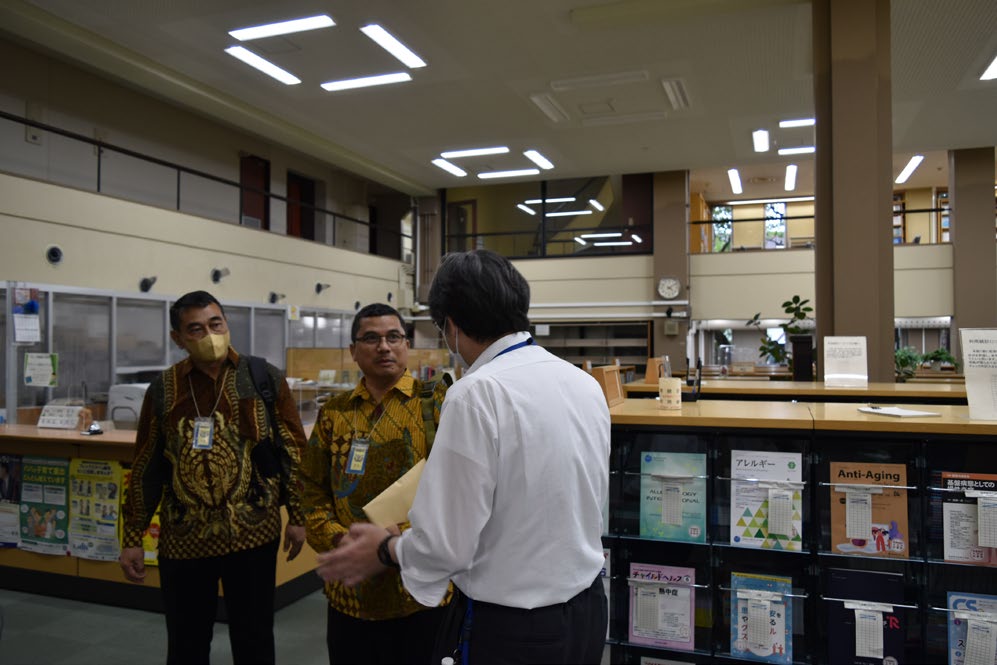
x,y
54,255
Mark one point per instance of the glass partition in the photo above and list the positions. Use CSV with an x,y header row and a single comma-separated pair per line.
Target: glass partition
x,y
141,334
81,335
268,336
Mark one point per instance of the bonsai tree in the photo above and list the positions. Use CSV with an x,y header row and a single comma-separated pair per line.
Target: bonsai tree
x,y
905,362
798,311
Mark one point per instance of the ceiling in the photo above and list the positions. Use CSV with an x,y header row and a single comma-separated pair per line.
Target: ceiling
x,y
744,65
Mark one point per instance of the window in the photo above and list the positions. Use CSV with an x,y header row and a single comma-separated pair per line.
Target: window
x,y
723,226
775,226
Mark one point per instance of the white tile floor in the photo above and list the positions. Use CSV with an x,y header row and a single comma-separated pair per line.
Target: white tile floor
x,y
44,630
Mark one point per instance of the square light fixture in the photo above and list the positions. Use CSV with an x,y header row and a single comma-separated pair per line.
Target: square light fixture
x,y
760,139
283,27
389,43
263,65
366,81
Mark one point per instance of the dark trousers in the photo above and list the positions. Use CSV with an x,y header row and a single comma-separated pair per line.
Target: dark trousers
x,y
570,632
190,596
405,640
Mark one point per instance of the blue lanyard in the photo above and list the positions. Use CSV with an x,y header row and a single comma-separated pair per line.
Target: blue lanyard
x,y
525,342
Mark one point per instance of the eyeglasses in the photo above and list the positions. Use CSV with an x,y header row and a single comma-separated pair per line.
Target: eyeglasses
x,y
373,339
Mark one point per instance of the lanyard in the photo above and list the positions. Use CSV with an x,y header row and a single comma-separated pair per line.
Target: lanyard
x,y
525,342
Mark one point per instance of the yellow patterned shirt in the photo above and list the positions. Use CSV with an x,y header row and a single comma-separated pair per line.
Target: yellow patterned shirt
x,y
334,499
214,501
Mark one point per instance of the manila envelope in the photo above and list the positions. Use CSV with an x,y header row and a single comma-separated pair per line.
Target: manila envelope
x,y
391,506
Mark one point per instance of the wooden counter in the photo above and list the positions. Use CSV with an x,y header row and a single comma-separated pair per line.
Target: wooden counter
x,y
76,578
757,389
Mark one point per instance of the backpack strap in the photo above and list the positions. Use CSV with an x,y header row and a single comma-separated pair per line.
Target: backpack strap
x,y
265,387
428,404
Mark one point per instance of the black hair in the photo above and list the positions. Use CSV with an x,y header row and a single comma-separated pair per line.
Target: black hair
x,y
482,292
194,299
374,310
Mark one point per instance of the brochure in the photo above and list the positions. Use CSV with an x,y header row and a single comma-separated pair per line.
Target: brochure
x,y
767,514
95,499
673,496
662,606
761,624
959,627
960,518
870,519
44,519
864,585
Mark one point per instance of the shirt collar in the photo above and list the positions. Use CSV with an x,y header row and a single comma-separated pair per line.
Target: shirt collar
x,y
497,347
405,385
186,366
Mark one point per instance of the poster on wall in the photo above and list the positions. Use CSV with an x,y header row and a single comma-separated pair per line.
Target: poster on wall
x,y
150,538
94,503
10,499
44,506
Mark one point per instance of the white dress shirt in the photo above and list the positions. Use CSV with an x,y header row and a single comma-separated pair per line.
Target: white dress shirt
x,y
510,502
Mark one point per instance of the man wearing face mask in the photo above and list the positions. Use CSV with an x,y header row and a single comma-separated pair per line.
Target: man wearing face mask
x,y
220,514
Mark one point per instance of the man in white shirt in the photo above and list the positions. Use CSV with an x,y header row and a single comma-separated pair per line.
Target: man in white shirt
x,y
510,503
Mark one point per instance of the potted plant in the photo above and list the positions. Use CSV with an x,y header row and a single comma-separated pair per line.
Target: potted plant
x,y
905,362
939,358
798,310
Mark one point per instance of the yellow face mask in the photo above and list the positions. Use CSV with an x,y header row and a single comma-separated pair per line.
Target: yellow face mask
x,y
210,348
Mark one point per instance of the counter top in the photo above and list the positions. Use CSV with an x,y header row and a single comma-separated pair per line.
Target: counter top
x,y
816,389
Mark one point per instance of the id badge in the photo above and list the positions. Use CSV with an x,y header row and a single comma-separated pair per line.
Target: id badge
x,y
204,430
357,461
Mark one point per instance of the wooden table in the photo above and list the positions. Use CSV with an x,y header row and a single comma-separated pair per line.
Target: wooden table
x,y
879,392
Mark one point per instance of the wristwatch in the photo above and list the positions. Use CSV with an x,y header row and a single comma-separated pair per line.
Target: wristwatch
x,y
384,555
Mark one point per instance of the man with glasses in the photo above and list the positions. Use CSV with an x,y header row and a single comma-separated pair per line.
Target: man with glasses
x,y
363,442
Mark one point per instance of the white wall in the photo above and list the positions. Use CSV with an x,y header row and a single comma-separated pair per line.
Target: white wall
x,y
615,279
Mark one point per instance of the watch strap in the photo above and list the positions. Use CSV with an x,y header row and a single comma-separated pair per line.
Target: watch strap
x,y
384,554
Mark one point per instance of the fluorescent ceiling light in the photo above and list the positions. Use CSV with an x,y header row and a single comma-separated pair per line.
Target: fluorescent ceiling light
x,y
790,177
802,122
602,235
675,91
549,107
366,81
735,181
598,80
623,118
991,72
508,174
526,209
474,152
595,204
538,159
802,150
561,199
636,237
908,170
784,199
264,66
450,168
622,243
283,28
580,241
760,137
389,43
568,213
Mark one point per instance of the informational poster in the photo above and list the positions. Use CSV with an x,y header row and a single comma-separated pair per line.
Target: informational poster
x,y
44,505
960,518
869,509
150,538
767,511
41,370
846,363
673,496
662,606
761,622
27,328
845,628
979,355
95,500
10,499
964,605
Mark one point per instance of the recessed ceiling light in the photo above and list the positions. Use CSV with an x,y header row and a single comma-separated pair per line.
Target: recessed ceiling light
x,y
366,81
568,213
561,199
526,209
508,174
675,91
580,241
760,138
595,204
735,180
389,43
991,71
549,106
801,122
598,80
784,199
908,170
538,159
636,237
790,177
474,152
602,235
265,66
619,243
802,150
283,28
450,168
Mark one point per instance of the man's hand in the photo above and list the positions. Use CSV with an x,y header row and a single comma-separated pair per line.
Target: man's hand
x,y
132,562
355,559
294,539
